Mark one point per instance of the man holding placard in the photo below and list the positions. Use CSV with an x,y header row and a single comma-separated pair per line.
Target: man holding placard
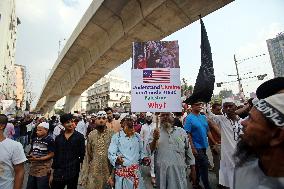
x,y
173,155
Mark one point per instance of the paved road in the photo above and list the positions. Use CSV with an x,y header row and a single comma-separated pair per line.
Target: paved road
x,y
146,177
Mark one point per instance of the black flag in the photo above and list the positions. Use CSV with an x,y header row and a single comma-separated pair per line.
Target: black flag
x,y
204,86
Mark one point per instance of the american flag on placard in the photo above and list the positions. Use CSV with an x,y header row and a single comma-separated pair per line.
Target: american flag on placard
x,y
156,76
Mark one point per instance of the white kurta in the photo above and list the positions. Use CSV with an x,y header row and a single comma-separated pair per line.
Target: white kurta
x,y
82,128
146,135
251,176
229,137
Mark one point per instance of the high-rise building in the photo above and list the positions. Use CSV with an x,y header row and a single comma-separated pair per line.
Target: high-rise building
x,y
20,74
276,52
8,33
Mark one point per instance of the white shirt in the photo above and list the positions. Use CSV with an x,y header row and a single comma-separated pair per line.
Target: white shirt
x,y
251,176
57,130
229,137
12,153
146,132
30,126
81,128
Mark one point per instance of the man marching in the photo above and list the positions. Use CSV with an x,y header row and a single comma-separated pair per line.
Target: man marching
x,y
125,153
96,171
146,131
173,155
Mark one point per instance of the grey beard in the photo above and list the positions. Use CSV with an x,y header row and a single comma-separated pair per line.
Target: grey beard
x,y
243,153
166,125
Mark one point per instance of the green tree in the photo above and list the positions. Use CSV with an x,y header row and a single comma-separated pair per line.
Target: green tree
x,y
59,111
186,89
225,93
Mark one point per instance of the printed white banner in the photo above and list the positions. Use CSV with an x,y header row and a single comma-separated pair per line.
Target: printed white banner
x,y
156,90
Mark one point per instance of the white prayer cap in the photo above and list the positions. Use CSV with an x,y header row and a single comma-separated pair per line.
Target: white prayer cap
x,y
272,108
44,125
102,114
122,116
227,100
149,114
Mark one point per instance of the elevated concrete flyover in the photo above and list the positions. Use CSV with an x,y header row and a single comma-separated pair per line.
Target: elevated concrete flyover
x,y
103,40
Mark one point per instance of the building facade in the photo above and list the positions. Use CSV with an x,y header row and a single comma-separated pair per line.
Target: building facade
x,y
20,77
276,51
110,91
8,33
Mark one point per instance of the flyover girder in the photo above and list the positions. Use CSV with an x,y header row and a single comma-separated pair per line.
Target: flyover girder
x,y
103,39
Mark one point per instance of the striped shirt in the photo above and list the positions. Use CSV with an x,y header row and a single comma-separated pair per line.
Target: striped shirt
x,y
41,147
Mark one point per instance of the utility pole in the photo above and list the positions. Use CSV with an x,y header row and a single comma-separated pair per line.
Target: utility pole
x,y
241,90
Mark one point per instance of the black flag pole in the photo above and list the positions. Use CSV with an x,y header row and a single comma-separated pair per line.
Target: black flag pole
x,y
204,86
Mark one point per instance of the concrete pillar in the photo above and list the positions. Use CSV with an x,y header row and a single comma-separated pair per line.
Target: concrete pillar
x,y
49,109
51,113
72,103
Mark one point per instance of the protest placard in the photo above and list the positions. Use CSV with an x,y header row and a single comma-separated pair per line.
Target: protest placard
x,y
155,77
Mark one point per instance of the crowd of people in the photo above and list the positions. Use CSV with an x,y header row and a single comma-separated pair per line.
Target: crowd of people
x,y
108,150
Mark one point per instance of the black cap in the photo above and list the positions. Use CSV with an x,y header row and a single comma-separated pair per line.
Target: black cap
x,y
270,87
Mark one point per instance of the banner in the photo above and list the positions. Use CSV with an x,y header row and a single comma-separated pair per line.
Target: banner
x,y
155,77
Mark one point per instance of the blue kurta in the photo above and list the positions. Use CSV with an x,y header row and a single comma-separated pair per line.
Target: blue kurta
x,y
132,151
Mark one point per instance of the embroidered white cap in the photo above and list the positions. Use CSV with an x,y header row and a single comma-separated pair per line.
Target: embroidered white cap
x,y
102,114
44,125
272,108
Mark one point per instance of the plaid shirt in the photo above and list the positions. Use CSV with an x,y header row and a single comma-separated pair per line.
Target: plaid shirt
x,y
68,155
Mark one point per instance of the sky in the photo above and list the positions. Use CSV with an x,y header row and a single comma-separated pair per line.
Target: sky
x,y
241,28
